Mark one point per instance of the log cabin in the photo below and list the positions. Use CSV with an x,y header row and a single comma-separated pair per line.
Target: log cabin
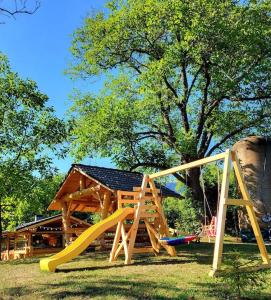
x,y
39,237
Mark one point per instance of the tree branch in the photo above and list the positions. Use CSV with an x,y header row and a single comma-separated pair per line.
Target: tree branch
x,y
22,9
233,133
193,82
157,166
202,116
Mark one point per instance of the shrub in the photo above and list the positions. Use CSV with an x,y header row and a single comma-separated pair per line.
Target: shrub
x,y
181,215
240,281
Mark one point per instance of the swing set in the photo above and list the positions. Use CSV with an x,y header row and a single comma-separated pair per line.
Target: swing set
x,y
160,235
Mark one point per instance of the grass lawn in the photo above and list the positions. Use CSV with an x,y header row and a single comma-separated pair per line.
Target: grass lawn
x,y
91,276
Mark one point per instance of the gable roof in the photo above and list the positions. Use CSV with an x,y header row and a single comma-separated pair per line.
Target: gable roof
x,y
116,179
49,219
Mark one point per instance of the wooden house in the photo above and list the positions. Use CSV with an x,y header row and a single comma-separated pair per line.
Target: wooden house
x,y
42,236
94,189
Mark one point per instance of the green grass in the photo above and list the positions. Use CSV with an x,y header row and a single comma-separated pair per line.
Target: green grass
x,y
91,276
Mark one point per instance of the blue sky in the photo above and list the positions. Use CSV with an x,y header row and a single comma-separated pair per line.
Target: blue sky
x,y
38,48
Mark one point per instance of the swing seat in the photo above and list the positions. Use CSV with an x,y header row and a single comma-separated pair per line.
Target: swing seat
x,y
179,240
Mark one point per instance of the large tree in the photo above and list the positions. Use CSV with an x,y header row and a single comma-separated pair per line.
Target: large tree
x,y
30,137
185,79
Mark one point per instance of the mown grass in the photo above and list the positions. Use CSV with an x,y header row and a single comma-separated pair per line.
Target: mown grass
x,y
91,276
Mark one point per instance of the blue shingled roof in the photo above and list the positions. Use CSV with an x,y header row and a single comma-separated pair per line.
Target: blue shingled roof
x,y
119,179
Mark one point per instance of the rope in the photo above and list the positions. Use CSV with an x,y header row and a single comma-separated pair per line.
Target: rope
x,y
205,200
218,189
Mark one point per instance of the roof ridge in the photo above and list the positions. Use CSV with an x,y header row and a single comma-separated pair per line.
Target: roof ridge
x,y
114,169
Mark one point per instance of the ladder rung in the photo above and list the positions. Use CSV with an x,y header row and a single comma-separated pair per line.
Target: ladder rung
x,y
150,215
150,207
127,201
147,190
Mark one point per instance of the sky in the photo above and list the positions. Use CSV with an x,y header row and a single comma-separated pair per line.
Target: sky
x,y
38,48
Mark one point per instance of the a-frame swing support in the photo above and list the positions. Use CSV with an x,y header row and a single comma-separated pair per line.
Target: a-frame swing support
x,y
143,204
229,157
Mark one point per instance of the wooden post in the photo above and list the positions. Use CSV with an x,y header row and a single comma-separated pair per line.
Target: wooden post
x,y
82,182
104,214
164,230
106,205
221,215
8,245
134,227
250,210
116,242
66,223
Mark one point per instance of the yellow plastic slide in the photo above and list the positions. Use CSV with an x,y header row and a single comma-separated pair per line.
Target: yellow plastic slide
x,y
84,240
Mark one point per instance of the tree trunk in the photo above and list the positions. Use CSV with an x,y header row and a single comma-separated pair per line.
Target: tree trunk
x,y
196,190
194,183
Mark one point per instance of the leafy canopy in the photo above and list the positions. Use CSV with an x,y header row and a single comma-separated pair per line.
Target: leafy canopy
x,y
30,136
184,79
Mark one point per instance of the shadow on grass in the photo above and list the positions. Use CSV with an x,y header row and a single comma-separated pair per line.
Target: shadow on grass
x,y
118,287
148,262
200,253
24,261
221,291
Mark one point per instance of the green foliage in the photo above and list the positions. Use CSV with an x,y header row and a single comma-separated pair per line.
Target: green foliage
x,y
241,282
183,75
181,215
28,126
34,198
96,218
30,136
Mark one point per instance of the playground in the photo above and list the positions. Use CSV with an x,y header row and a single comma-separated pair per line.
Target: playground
x,y
146,173
182,277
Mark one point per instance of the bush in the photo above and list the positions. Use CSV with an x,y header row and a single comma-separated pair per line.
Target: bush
x,y
240,281
181,215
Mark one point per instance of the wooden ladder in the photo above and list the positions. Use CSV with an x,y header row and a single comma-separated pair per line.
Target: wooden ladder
x,y
148,209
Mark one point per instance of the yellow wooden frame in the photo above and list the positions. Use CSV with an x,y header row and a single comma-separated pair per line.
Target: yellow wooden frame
x,y
229,157
142,203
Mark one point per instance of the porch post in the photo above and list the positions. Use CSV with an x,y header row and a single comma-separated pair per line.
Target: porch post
x,y
66,223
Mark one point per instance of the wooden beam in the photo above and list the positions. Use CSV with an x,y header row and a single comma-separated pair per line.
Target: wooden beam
x,y
124,240
82,182
94,180
134,228
141,250
221,214
148,190
190,165
106,204
153,236
240,202
164,230
80,194
66,223
116,242
150,215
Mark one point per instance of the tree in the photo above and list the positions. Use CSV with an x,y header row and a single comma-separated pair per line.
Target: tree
x,y
9,9
30,136
185,80
32,198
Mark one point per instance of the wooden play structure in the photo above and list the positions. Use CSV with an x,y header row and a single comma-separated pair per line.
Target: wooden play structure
x,y
96,190
143,206
39,237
